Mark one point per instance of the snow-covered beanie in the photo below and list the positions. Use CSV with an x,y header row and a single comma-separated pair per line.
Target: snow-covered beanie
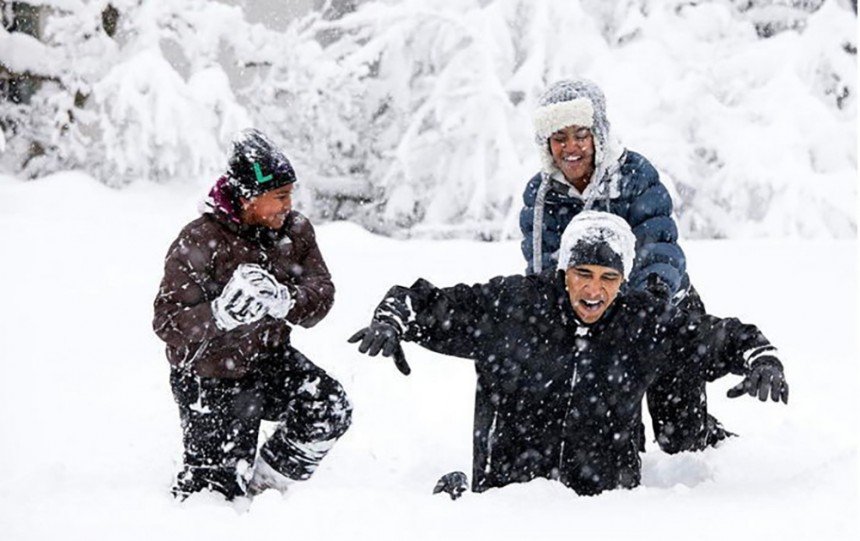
x,y
598,238
257,165
571,103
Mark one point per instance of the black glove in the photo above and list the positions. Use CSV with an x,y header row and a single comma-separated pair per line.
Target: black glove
x,y
385,337
765,378
454,484
657,287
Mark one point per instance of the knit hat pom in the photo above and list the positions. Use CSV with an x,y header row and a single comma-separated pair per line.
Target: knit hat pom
x,y
598,238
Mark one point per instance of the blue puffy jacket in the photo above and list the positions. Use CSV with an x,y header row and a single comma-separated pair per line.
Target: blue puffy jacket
x,y
633,192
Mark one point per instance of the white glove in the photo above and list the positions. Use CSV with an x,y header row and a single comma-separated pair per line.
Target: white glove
x,y
239,302
275,296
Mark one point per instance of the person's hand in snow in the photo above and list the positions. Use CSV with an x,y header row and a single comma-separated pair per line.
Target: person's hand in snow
x,y
765,378
453,484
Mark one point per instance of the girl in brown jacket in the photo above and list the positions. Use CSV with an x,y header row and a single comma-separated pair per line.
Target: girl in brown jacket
x,y
235,280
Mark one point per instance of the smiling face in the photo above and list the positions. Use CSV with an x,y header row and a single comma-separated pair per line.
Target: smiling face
x,y
269,209
592,288
572,150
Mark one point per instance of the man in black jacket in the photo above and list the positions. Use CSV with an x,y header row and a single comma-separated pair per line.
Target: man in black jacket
x,y
563,358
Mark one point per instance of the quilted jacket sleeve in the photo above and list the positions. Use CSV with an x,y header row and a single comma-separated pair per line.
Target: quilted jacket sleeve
x,y
527,221
650,217
183,314
312,287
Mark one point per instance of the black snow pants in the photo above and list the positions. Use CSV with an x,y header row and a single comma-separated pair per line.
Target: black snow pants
x,y
679,406
221,421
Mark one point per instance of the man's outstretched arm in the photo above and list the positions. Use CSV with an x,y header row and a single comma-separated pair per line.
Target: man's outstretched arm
x,y
444,320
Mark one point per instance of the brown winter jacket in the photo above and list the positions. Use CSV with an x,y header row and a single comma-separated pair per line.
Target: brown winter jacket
x,y
197,267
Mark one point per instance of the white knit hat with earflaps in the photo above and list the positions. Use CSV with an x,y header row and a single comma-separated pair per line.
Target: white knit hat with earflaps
x,y
571,103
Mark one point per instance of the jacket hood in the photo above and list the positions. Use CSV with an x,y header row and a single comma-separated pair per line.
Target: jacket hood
x,y
222,201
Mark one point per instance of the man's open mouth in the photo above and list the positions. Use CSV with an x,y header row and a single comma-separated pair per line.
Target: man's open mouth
x,y
591,305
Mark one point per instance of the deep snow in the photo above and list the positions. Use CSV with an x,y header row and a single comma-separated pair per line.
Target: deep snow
x,y
90,435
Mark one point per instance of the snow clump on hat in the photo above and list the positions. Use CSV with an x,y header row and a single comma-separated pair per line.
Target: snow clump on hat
x,y
598,238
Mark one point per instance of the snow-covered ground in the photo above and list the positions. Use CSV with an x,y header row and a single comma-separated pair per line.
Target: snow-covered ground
x,y
89,435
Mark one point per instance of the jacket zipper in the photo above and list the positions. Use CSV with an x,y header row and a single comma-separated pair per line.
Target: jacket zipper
x,y
490,435
566,415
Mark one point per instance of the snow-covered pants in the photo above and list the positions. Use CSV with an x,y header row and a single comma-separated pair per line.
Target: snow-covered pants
x,y
221,422
679,406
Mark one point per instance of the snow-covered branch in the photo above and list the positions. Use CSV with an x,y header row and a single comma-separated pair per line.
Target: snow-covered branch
x,y
414,117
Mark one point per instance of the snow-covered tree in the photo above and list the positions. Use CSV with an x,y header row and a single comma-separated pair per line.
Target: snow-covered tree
x,y
415,111
150,99
757,135
421,110
414,117
166,107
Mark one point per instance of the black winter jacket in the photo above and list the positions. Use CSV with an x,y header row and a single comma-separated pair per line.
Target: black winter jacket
x,y
557,398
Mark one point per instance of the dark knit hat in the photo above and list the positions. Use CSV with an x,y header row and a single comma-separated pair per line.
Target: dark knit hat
x,y
598,238
257,165
595,252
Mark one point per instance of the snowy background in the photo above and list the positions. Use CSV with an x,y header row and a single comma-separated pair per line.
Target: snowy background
x,y
91,440
412,119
